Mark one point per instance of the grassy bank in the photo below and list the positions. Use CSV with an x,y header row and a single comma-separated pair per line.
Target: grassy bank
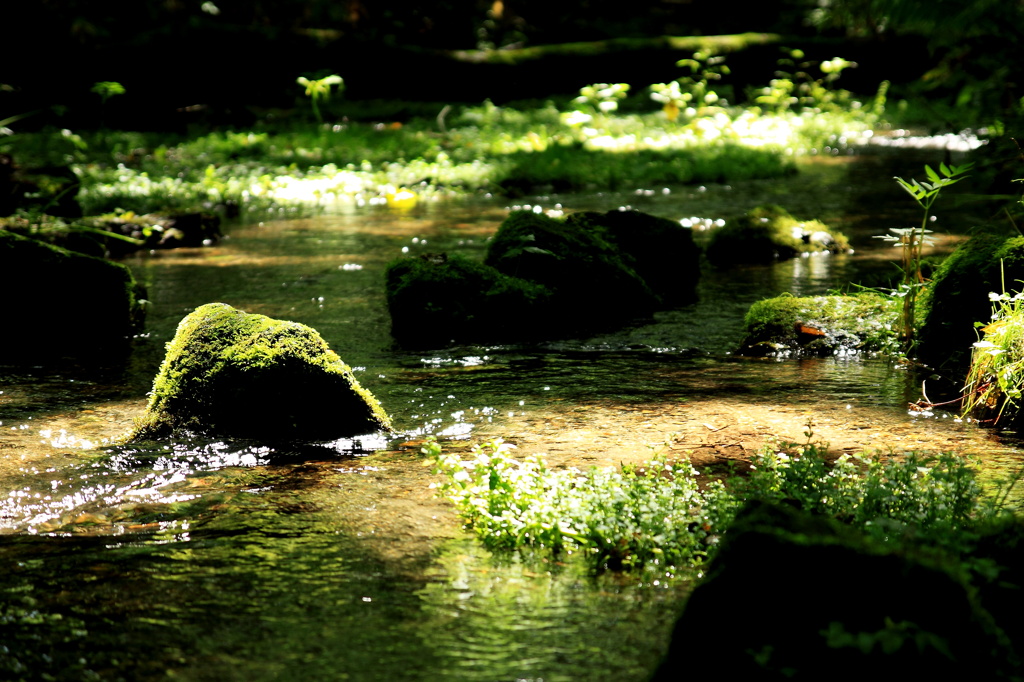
x,y
606,138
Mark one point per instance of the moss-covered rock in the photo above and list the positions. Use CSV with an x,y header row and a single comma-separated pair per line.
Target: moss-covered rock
x,y
794,596
437,299
770,233
61,303
662,251
958,297
822,325
546,278
118,234
232,373
591,277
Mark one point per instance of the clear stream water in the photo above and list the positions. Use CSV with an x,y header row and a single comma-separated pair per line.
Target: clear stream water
x,y
211,560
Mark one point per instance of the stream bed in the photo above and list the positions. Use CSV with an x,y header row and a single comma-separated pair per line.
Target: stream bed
x,y
210,560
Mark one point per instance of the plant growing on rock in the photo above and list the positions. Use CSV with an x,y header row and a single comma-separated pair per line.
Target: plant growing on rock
x,y
911,240
995,380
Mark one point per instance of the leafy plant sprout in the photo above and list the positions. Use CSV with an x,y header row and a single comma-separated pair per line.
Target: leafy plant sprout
x,y
107,89
320,89
692,93
911,240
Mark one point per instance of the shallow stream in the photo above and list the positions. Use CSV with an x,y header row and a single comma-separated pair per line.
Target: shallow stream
x,y
211,560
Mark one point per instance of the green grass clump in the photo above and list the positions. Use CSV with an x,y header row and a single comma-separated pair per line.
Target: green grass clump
x,y
995,380
665,514
284,164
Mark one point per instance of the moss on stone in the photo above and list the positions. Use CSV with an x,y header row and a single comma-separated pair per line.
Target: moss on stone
x,y
822,325
435,300
958,297
591,277
768,233
663,252
232,373
64,303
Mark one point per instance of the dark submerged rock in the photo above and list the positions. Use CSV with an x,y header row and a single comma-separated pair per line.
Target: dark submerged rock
x,y
769,233
822,325
59,303
232,373
794,596
118,235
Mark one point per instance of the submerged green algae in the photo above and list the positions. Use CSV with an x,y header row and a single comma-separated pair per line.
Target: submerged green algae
x,y
234,373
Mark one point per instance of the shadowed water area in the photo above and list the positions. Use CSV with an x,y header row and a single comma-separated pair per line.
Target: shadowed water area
x,y
213,560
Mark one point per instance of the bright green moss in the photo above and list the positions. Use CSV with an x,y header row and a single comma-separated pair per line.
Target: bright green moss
x,y
227,372
768,233
861,322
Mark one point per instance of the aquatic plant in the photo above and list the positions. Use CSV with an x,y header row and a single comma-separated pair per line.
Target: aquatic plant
x,y
911,240
664,513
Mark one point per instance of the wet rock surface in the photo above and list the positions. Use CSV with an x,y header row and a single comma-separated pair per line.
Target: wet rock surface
x,y
821,325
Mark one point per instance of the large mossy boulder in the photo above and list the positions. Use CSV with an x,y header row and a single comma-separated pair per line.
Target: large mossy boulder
x,y
794,596
436,299
769,233
822,325
58,303
959,297
244,375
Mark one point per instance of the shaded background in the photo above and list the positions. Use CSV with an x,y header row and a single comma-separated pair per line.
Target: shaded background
x,y
214,61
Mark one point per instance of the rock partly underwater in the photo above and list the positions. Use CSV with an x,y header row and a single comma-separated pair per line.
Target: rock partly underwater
x,y
769,233
60,303
244,375
822,325
546,278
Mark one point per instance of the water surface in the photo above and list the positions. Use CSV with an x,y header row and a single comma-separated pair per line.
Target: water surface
x,y
203,559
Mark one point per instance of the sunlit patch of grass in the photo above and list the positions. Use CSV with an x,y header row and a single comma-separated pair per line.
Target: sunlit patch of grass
x,y
477,149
